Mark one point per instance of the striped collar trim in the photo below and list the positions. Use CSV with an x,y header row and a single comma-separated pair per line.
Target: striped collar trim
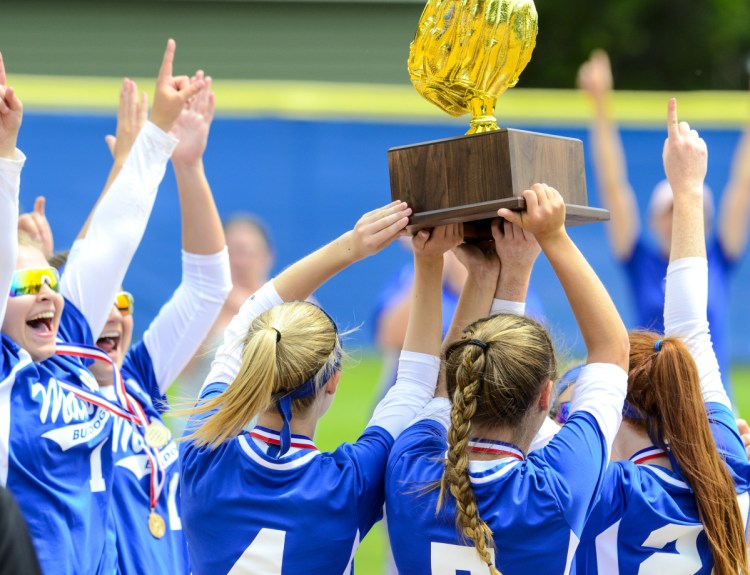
x,y
479,474
287,462
667,477
493,447
272,437
651,452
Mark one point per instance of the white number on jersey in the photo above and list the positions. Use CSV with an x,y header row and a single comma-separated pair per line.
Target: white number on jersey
x,y
686,561
97,478
263,556
447,559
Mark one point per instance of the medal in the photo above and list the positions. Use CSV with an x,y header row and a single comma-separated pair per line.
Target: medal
x,y
157,435
156,524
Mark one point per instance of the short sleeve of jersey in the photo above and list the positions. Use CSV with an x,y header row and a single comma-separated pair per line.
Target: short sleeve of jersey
x,y
73,326
609,505
369,456
729,444
425,438
574,462
139,367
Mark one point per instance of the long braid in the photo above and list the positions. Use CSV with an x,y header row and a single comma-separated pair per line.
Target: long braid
x,y
456,474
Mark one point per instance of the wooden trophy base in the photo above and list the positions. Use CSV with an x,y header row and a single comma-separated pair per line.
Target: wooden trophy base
x,y
467,179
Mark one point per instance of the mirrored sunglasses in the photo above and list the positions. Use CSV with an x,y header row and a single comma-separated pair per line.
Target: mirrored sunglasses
x,y
124,302
29,281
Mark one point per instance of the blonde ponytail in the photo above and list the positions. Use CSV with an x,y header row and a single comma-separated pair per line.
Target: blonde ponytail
x,y
285,347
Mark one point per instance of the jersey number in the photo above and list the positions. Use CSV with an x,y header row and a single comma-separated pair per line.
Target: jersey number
x,y
95,463
263,556
447,559
686,561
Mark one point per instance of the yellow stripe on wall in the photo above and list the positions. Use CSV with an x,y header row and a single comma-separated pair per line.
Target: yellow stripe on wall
x,y
383,102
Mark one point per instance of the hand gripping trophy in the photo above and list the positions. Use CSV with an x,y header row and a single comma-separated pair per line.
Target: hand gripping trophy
x,y
465,54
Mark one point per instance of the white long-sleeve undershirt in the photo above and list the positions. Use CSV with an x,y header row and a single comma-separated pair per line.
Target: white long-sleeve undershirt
x,y
95,271
185,320
10,184
685,317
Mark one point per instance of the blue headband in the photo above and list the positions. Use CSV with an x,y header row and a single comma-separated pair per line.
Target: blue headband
x,y
284,405
307,389
631,412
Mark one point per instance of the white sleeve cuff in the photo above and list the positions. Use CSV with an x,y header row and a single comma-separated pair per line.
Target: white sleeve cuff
x,y
228,359
161,140
439,409
414,388
600,390
685,317
506,306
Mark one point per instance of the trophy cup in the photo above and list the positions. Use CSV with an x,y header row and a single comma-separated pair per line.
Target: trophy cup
x,y
465,54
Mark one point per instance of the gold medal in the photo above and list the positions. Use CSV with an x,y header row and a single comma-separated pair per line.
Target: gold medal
x,y
157,435
156,524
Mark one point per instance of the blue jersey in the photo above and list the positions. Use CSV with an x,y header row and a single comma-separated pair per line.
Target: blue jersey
x,y
245,511
535,507
646,269
53,456
137,550
646,520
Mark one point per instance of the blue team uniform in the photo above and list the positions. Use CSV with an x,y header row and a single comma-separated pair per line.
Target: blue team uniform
x,y
646,520
54,453
535,507
647,271
137,550
246,511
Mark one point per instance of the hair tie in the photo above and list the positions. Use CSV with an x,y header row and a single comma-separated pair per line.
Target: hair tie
x,y
479,343
657,345
278,334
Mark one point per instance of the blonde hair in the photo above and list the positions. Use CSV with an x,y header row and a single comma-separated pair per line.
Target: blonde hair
x,y
494,374
285,347
664,388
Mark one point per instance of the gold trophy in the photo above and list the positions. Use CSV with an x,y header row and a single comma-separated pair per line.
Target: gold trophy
x,y
465,54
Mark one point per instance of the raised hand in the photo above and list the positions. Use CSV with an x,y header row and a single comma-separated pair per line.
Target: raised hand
x,y
377,229
36,225
685,155
595,75
193,124
11,115
515,246
481,264
172,92
132,114
437,241
544,215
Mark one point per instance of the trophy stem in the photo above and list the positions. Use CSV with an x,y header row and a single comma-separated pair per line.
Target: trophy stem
x,y
483,119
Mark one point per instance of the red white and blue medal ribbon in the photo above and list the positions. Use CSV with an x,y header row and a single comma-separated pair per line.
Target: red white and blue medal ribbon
x,y
493,447
647,454
271,437
126,407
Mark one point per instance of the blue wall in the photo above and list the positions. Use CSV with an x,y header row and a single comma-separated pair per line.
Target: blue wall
x,y
311,180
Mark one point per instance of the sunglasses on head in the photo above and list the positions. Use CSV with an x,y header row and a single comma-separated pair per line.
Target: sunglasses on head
x,y
124,302
29,281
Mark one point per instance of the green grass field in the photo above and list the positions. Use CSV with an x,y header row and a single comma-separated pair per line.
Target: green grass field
x,y
351,411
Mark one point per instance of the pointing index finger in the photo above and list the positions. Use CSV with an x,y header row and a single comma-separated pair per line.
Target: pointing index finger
x,y
39,204
165,71
672,123
2,70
